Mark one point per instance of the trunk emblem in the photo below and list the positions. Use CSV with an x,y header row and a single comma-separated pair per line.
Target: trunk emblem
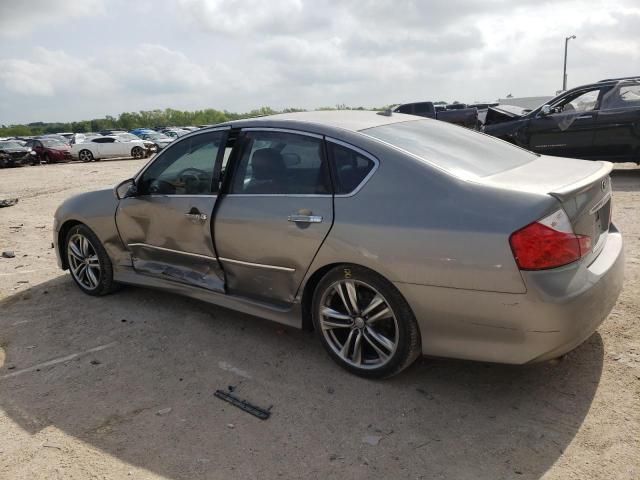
x,y
603,185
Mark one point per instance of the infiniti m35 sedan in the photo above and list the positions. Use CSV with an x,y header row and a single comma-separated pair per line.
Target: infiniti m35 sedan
x,y
391,236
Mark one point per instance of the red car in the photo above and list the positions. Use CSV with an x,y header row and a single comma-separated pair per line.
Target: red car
x,y
50,150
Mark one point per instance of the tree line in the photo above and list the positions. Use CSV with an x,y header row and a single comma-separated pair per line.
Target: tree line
x,y
149,118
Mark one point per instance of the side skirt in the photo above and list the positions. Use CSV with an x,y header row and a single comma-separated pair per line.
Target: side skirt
x,y
291,315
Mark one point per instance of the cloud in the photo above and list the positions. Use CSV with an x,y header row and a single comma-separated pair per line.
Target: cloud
x,y
147,68
21,17
51,72
242,54
156,69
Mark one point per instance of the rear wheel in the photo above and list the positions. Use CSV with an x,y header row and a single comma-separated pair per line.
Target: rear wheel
x,y
89,264
85,155
364,322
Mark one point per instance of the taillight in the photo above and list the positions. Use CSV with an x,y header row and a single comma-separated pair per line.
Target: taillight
x,y
548,243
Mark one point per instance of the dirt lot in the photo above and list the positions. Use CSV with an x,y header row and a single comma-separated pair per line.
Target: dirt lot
x,y
122,386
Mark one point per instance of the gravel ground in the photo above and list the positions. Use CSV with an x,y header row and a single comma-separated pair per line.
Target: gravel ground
x,y
122,386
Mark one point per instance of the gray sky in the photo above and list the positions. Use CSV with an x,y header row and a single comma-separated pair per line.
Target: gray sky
x,y
66,60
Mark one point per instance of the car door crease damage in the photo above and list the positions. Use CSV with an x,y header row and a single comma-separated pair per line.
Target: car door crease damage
x,y
228,216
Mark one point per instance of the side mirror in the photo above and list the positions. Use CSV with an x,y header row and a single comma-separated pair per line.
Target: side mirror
x,y
126,189
545,110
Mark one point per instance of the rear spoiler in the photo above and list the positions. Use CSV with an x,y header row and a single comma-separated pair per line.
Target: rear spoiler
x,y
568,191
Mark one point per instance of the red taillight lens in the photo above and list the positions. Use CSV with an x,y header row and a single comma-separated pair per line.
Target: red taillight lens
x,y
548,243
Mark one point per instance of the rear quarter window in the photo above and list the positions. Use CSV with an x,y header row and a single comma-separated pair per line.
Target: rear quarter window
x,y
351,168
462,152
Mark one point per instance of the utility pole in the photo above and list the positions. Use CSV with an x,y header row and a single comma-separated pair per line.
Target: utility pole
x,y
564,73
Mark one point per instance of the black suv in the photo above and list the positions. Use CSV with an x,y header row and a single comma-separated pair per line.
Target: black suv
x,y
597,121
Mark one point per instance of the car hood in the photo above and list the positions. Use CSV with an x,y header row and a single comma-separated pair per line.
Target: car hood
x,y
504,113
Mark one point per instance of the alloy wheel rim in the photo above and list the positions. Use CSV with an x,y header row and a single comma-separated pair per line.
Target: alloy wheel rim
x,y
85,156
83,261
358,324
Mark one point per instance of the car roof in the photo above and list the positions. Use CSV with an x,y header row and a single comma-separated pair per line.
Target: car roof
x,y
353,120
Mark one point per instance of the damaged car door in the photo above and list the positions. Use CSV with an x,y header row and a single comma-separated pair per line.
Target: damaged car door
x,y
275,215
566,128
166,221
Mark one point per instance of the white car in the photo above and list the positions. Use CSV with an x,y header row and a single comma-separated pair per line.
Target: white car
x,y
108,147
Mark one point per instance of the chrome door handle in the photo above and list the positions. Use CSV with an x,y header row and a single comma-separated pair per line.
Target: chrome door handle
x,y
305,218
585,116
201,217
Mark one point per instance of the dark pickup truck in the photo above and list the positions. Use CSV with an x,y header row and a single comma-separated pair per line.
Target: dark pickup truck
x,y
597,121
457,113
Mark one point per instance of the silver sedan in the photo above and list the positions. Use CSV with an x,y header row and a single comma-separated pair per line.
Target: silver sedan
x,y
391,236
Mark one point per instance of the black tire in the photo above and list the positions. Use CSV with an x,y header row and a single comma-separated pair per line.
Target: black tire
x,y
85,155
47,159
137,152
105,284
406,335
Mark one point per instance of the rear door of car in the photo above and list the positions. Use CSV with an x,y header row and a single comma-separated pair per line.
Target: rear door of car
x,y
275,214
167,225
618,127
569,130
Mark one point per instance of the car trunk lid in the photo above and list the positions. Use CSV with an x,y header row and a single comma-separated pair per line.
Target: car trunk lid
x,y
583,189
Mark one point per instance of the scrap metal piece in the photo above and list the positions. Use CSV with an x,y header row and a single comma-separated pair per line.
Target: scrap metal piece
x,y
261,413
8,202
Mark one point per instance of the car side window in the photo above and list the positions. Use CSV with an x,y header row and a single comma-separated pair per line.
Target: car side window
x,y
185,168
282,163
583,102
623,96
350,166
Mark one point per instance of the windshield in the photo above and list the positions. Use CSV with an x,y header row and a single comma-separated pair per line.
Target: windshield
x,y
158,136
458,150
10,145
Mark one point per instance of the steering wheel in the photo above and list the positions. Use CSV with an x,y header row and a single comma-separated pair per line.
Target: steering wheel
x,y
193,172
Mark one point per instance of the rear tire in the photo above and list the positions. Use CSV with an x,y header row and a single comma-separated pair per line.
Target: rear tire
x,y
85,155
364,323
88,262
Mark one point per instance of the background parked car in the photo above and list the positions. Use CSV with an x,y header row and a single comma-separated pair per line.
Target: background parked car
x,y
150,147
596,121
50,150
174,132
460,114
12,154
108,147
160,140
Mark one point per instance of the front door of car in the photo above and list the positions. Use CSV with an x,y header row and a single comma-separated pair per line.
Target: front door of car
x,y
276,213
569,129
167,225
108,147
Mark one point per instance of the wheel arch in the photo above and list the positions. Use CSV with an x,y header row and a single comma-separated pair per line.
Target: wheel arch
x,y
315,278
62,236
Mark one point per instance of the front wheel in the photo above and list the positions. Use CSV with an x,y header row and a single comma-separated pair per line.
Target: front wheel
x,y
364,322
89,264
137,152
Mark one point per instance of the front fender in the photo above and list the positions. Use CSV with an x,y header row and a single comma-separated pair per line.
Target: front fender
x,y
96,210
